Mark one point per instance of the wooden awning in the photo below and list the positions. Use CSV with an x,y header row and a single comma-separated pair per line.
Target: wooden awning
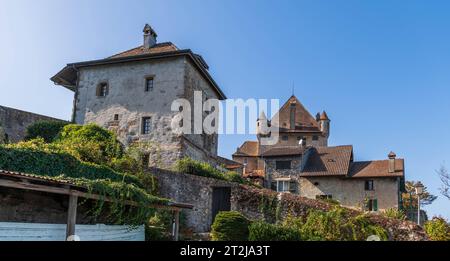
x,y
25,181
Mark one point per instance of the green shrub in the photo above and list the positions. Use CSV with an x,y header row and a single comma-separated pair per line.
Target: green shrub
x,y
37,157
90,143
394,213
262,231
194,167
158,227
337,225
230,226
438,229
52,160
48,130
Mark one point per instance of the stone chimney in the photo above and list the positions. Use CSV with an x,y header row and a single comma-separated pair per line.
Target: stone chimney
x,y
149,36
392,157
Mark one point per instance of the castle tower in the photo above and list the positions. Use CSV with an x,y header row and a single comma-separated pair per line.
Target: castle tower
x,y
324,122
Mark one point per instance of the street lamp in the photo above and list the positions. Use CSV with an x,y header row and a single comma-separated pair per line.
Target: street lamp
x,y
419,191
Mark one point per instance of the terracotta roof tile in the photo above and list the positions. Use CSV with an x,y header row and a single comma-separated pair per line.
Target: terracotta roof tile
x,y
283,151
303,119
140,50
377,168
248,148
328,161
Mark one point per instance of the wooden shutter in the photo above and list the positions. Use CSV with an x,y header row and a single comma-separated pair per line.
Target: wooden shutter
x,y
375,205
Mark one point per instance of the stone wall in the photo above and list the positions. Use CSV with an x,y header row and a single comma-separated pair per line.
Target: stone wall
x,y
247,200
15,122
39,207
197,190
350,192
122,110
193,190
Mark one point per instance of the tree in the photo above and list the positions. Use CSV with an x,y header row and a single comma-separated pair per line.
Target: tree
x,y
445,178
410,197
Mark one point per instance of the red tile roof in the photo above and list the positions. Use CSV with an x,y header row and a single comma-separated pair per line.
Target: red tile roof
x,y
304,121
283,151
141,50
376,168
248,148
328,161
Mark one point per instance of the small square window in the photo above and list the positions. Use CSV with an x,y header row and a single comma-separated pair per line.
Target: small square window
x,y
283,164
285,137
102,89
369,185
116,117
146,125
149,84
315,137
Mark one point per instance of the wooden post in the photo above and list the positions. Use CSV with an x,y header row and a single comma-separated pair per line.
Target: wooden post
x,y
71,216
176,227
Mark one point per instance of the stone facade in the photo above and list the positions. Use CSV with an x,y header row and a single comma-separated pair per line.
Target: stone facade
x,y
15,122
126,104
198,191
194,190
40,207
351,192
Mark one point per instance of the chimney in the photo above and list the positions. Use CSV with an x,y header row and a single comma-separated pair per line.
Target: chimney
x,y
392,157
149,36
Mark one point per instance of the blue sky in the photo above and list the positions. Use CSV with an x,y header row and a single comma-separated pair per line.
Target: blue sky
x,y
379,68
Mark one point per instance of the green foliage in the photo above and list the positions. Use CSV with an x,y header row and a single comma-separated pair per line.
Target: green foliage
x,y
90,143
91,157
3,136
194,167
336,225
438,229
262,231
230,226
37,157
394,213
48,130
409,198
269,207
158,227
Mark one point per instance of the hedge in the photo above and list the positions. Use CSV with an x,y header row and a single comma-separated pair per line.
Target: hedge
x,y
230,226
48,130
262,231
438,229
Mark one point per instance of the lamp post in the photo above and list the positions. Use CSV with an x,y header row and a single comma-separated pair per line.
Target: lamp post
x,y
419,190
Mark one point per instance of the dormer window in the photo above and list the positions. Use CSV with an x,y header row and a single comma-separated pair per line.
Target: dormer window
x,y
102,89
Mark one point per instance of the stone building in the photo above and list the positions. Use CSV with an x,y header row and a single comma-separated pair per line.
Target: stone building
x,y
301,162
132,92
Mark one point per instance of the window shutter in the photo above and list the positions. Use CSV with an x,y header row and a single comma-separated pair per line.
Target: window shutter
x,y
369,205
366,185
375,205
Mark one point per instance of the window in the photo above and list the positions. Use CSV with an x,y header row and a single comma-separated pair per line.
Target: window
x,y
369,185
285,137
102,89
116,117
146,125
149,84
324,197
245,161
145,160
300,138
283,185
372,205
315,137
283,164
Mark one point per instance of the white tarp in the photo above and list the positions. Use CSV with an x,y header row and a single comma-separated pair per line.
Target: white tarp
x,y
12,231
